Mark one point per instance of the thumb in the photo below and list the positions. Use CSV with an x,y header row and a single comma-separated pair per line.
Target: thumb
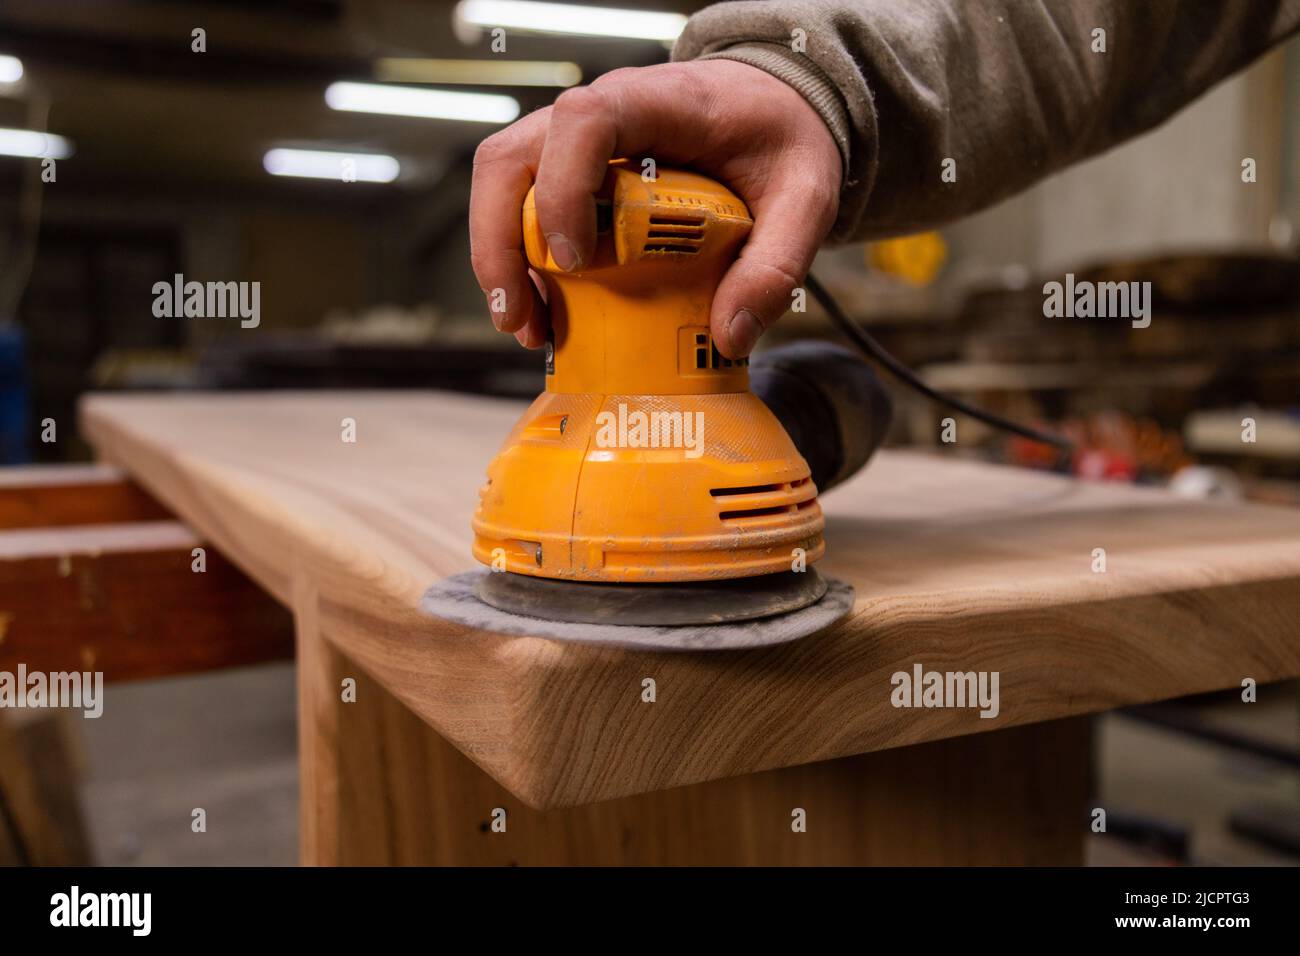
x,y
789,225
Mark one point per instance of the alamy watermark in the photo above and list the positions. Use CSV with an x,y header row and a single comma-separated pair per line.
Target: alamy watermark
x,y
74,908
1083,299
638,429
208,300
922,688
72,690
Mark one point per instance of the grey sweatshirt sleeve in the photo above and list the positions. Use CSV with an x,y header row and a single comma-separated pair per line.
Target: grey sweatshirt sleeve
x,y
1011,90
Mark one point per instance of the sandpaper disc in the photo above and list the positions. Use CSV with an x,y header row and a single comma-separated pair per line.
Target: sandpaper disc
x,y
670,603
454,599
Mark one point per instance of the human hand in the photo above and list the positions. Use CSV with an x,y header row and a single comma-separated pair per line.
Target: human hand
x,y
723,118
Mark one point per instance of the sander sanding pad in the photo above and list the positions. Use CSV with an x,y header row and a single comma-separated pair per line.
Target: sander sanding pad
x,y
455,599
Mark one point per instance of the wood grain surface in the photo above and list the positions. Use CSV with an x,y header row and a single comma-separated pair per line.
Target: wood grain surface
x,y
957,567
96,575
49,496
380,788
122,599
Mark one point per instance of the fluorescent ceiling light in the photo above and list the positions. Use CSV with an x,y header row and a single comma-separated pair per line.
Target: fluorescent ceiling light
x,y
32,145
569,18
427,104
11,69
327,164
478,72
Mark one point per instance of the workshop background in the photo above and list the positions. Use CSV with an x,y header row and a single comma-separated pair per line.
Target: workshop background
x,y
368,284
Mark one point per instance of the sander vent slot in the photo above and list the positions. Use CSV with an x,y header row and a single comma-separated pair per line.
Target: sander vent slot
x,y
691,222
755,512
744,490
675,234
763,501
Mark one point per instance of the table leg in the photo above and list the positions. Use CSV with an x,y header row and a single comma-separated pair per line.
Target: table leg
x,y
380,787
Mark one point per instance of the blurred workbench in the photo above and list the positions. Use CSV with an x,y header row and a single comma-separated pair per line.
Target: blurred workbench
x,y
957,566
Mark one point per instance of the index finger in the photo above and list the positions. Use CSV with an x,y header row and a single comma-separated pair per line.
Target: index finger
x,y
505,165
620,115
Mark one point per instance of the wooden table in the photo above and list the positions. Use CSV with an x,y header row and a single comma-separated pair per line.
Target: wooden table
x,y
957,566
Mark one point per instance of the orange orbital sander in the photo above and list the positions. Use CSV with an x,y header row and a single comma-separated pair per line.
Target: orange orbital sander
x,y
648,496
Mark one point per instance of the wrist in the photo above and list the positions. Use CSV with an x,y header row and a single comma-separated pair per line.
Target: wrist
x,y
804,76
808,80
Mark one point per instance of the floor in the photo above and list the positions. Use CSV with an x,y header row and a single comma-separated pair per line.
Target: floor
x,y
226,744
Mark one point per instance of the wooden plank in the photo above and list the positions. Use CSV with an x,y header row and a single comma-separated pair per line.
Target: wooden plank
x,y
33,835
123,599
46,496
384,789
958,567
320,779
40,817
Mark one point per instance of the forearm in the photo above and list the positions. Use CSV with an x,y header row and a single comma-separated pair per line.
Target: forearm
x,y
1009,91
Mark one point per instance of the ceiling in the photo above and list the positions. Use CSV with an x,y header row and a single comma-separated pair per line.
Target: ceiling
x,y
149,115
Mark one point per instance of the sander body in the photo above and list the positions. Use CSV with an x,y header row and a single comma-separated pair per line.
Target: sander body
x,y
648,485
647,459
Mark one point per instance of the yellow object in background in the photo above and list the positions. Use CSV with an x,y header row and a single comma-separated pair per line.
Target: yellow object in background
x,y
914,259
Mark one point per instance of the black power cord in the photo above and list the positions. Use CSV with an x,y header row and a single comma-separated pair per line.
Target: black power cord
x,y
876,352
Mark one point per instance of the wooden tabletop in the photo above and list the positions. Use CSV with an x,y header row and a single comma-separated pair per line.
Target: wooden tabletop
x,y
957,566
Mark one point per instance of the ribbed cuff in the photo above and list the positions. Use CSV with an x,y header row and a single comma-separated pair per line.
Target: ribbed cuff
x,y
801,73
805,76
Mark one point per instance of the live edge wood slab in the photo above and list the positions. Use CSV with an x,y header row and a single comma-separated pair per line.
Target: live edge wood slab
x,y
957,566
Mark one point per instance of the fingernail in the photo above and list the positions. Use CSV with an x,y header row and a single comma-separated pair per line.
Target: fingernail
x,y
743,331
497,318
562,251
